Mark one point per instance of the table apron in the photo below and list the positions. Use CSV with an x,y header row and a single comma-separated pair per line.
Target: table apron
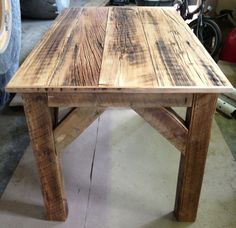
x,y
119,100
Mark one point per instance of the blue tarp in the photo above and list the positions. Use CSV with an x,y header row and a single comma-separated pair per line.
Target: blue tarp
x,y
9,60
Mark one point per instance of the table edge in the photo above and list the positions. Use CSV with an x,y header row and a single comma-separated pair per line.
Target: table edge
x,y
92,89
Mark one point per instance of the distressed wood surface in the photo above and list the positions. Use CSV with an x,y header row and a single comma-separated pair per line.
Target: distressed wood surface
x,y
124,49
126,59
54,115
192,163
167,124
39,120
73,125
119,100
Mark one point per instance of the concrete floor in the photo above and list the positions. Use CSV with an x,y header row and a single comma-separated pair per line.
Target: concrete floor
x,y
133,180
134,175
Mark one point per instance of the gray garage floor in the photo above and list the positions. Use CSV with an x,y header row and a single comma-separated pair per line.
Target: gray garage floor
x,y
133,180
134,175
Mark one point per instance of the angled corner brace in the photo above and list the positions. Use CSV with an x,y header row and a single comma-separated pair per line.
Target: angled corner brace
x,y
167,123
74,124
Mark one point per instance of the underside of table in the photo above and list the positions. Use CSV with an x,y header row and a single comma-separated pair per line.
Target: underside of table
x,y
190,136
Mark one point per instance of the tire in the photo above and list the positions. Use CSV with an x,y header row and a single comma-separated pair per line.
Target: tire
x,y
212,38
9,57
43,9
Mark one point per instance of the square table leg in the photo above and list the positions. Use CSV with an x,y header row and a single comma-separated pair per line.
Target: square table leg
x,y
40,125
198,119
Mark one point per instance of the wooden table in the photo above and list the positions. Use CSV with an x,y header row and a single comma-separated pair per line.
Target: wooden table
x,y
143,58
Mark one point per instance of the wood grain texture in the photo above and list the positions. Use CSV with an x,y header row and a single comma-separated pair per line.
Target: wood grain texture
x,y
119,100
191,169
179,58
81,62
125,49
70,54
54,115
167,124
126,59
73,125
39,121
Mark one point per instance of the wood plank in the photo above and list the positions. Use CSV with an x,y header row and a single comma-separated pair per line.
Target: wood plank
x,y
126,59
81,63
40,65
39,121
191,169
73,125
69,54
167,124
178,56
119,100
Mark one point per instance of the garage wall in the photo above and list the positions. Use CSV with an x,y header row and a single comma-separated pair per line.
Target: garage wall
x,y
221,4
226,4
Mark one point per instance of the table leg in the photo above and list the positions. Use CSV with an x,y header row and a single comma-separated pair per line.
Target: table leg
x,y
40,126
54,115
198,119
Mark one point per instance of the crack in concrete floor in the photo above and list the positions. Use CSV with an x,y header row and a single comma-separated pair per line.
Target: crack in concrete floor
x,y
91,175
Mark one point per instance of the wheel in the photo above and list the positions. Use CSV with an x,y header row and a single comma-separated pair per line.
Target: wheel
x,y
10,39
209,34
43,9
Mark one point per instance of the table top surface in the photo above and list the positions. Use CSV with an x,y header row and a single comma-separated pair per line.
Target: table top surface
x,y
130,49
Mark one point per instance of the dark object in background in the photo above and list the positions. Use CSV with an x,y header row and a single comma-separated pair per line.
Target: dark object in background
x,y
209,34
206,30
43,9
119,2
154,3
228,52
142,2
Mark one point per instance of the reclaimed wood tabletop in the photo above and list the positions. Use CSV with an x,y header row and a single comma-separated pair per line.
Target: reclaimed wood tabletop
x,y
126,49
